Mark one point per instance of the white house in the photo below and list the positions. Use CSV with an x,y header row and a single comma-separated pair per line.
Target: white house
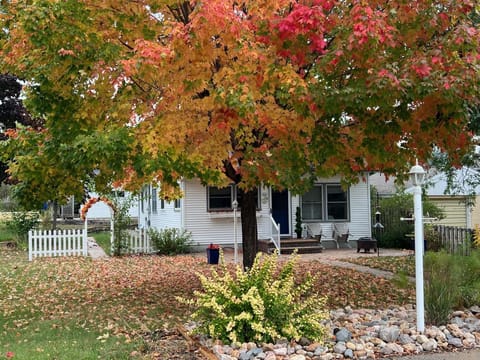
x,y
207,212
100,210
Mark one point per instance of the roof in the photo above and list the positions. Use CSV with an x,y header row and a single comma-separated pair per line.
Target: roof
x,y
466,181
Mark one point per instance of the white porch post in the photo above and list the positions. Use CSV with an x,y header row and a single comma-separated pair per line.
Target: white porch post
x,y
112,230
235,244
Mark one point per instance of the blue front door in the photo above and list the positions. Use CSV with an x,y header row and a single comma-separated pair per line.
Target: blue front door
x,y
280,210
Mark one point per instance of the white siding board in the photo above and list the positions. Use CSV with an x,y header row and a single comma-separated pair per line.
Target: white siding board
x,y
217,227
169,217
360,219
101,210
475,212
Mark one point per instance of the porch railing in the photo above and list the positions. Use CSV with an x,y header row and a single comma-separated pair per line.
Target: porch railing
x,y
275,233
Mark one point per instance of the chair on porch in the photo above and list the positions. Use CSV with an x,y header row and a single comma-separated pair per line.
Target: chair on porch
x,y
308,233
340,234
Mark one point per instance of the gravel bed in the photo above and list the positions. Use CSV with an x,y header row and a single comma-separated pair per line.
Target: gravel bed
x,y
366,334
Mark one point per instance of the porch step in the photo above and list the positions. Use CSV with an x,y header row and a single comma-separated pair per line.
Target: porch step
x,y
288,246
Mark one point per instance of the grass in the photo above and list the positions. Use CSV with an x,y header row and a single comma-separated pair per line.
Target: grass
x,y
76,308
103,240
66,340
5,233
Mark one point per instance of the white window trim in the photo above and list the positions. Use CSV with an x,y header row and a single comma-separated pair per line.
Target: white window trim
x,y
177,204
233,189
324,202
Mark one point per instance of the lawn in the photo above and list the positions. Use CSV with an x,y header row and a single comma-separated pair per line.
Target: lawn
x,y
67,308
103,240
5,233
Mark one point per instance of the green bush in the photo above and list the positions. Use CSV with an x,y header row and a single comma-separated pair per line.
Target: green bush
x,y
263,304
170,241
442,290
392,209
451,282
22,222
432,238
298,222
470,279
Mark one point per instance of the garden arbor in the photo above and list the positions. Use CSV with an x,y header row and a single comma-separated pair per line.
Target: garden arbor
x,y
84,211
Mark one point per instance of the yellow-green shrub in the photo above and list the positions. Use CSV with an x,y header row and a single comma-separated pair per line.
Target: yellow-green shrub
x,y
262,304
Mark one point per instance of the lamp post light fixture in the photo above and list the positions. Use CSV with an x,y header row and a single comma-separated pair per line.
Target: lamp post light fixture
x,y
417,176
235,246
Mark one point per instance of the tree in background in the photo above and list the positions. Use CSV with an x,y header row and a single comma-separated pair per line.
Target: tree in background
x,y
272,92
12,112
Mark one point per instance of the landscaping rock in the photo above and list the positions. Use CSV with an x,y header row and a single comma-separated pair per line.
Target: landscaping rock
x,y
343,335
389,334
367,334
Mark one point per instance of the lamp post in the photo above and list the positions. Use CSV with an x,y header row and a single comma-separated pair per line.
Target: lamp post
x,y
235,247
417,176
378,229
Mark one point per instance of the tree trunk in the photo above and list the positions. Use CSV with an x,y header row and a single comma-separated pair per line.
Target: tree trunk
x,y
54,215
249,228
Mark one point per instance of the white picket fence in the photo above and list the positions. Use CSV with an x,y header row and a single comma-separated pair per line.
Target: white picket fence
x,y
72,242
138,242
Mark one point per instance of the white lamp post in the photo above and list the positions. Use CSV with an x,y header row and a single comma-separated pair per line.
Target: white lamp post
x,y
417,176
235,247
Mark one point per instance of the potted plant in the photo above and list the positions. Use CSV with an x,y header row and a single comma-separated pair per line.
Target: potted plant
x,y
298,222
213,252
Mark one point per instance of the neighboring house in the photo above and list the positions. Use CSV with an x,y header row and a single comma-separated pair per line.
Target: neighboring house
x,y
461,205
99,210
207,212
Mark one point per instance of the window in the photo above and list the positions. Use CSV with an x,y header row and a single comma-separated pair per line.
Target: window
x,y
219,199
154,200
337,203
177,204
312,204
162,204
325,202
118,194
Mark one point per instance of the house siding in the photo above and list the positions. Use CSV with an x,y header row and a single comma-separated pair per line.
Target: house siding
x,y
101,210
475,212
218,226
359,211
454,209
169,217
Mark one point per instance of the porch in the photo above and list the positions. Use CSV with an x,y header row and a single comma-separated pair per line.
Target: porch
x,y
327,255
314,245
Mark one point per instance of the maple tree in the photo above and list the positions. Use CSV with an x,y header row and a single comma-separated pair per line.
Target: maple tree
x,y
273,92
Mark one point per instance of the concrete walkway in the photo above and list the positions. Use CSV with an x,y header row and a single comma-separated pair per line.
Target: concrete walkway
x,y
94,250
332,257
